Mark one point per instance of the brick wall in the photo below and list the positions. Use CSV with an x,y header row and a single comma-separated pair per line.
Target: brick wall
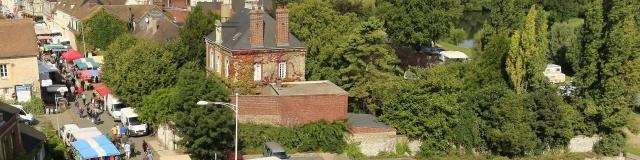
x,y
292,110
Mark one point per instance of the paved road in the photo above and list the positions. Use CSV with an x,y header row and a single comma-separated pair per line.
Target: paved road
x,y
71,116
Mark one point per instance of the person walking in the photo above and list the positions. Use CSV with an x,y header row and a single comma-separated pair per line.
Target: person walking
x,y
144,146
123,131
127,149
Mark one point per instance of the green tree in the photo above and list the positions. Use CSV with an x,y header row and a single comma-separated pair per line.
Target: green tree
x,y
102,29
198,24
136,71
428,107
159,106
368,59
527,54
205,130
564,44
417,23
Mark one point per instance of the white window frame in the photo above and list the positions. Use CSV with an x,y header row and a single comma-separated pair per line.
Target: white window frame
x,y
282,70
226,68
218,65
257,72
212,60
4,71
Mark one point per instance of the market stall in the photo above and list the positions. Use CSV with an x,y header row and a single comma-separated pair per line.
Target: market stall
x,y
88,74
72,55
86,63
95,148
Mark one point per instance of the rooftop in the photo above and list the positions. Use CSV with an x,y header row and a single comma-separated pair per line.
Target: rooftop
x,y
236,33
302,88
365,121
18,38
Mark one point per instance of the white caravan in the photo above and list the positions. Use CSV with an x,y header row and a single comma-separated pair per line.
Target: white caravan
x,y
113,106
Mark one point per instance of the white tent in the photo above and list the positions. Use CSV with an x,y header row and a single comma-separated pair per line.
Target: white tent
x,y
444,55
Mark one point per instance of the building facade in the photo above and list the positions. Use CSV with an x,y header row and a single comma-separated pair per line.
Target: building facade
x,y
253,46
17,140
18,63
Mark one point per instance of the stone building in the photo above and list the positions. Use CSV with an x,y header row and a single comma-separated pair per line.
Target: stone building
x,y
17,138
293,103
253,46
18,57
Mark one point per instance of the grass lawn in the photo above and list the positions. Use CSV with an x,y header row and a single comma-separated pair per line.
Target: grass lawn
x,y
453,47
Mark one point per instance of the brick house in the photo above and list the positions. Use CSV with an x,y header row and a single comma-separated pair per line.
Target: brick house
x,y
253,46
293,103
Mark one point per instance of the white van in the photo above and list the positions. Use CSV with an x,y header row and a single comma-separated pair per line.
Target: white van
x,y
130,120
113,106
24,115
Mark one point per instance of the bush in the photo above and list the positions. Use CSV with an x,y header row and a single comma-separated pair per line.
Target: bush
x,y
34,106
54,148
353,152
610,144
317,136
402,148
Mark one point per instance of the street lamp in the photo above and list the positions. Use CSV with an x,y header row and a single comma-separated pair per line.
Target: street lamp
x,y
235,109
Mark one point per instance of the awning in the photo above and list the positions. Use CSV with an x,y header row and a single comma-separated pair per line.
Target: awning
x,y
86,74
55,46
45,67
86,133
72,55
86,63
44,37
95,147
101,89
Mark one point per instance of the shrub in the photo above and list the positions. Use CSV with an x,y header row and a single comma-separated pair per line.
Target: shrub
x,y
54,147
353,152
34,106
317,136
402,147
610,144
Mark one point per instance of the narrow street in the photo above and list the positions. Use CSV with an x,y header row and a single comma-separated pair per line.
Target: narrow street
x,y
71,116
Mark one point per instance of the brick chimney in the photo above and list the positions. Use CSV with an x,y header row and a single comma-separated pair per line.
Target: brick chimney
x,y
256,26
282,25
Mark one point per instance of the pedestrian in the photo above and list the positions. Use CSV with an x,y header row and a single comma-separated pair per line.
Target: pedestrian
x,y
84,97
81,112
127,149
144,146
149,156
123,131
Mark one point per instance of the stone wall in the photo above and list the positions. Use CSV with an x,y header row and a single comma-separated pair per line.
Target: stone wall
x,y
167,137
371,144
583,143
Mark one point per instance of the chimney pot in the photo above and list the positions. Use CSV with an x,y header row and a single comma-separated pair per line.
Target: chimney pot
x,y
218,32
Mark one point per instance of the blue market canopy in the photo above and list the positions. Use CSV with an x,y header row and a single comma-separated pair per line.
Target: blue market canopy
x,y
95,147
86,63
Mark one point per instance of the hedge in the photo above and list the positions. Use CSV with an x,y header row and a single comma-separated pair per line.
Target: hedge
x,y
316,136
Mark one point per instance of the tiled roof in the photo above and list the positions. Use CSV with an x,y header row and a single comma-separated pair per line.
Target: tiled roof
x,y
156,26
18,38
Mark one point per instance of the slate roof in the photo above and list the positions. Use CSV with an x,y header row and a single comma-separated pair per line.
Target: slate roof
x,y
236,33
364,120
122,11
8,111
18,38
30,137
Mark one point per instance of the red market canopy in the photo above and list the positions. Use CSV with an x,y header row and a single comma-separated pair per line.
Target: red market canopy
x,y
86,74
72,55
101,89
43,37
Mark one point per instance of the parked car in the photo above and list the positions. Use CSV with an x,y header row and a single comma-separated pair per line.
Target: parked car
x,y
130,121
274,149
24,115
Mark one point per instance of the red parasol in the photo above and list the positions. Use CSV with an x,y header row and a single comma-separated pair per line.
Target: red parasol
x,y
72,55
101,89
